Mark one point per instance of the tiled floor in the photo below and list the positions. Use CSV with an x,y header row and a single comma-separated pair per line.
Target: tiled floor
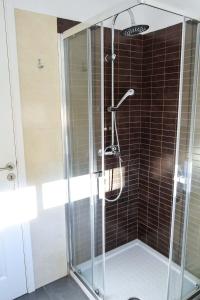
x,y
63,289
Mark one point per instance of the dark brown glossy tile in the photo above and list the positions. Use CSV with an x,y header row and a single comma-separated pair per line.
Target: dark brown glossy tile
x,y
147,130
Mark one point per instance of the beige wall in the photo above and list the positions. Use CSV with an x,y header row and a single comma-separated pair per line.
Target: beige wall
x,y
41,107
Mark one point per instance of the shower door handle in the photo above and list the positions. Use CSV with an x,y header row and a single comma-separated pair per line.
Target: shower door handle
x,y
181,177
182,174
98,175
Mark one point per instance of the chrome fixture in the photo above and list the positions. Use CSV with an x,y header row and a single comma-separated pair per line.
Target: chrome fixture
x,y
109,58
130,92
134,29
131,15
11,177
8,167
114,148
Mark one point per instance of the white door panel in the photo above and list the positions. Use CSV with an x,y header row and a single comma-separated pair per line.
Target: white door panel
x,y
12,268
3,282
7,147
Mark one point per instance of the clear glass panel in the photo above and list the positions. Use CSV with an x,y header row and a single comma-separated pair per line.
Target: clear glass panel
x,y
85,163
177,275
78,137
192,238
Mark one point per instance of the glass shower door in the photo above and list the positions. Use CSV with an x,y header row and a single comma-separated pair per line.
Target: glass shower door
x,y
83,56
78,153
184,273
191,232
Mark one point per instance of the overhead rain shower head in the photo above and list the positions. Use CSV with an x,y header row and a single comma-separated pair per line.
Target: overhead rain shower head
x,y
134,29
130,92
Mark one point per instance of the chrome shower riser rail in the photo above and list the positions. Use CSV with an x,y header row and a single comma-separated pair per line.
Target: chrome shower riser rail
x,y
112,81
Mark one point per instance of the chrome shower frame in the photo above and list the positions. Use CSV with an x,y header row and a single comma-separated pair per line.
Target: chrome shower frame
x,y
126,5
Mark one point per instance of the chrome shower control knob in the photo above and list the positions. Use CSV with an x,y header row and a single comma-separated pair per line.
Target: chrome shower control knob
x,y
11,177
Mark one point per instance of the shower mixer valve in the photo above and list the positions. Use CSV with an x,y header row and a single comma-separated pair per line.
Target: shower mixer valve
x,y
112,150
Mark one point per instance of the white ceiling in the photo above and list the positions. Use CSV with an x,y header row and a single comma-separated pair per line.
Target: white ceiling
x,y
82,10
79,10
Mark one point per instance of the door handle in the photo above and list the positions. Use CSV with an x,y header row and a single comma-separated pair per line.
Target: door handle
x,y
8,167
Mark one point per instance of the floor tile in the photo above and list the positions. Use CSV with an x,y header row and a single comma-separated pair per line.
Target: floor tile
x,y
40,294
62,289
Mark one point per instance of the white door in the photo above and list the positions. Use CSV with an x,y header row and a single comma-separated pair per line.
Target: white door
x,y
12,268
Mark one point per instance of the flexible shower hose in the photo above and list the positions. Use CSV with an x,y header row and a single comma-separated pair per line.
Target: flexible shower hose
x,y
120,163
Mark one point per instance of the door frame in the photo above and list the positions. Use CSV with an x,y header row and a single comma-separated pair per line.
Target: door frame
x,y
18,133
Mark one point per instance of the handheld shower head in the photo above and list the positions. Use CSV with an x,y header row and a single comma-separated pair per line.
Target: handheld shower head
x,y
130,92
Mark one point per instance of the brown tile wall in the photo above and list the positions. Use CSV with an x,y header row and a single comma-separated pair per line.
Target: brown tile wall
x,y
121,216
147,133
65,24
160,73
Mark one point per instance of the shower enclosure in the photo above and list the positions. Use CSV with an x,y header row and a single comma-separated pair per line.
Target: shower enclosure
x,y
132,153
